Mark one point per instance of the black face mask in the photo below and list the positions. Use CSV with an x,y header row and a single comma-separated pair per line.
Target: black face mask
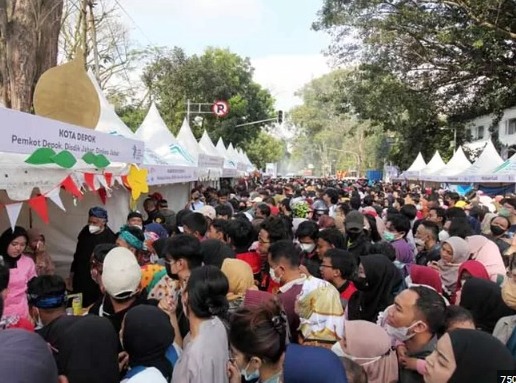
x,y
353,235
497,230
361,283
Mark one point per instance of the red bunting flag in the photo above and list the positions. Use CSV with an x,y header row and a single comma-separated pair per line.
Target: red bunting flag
x,y
70,186
39,205
102,195
89,179
126,182
109,178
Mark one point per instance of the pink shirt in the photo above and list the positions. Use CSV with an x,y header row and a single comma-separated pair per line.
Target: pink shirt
x,y
16,301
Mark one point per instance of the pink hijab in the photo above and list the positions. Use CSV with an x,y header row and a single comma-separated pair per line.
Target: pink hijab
x,y
487,253
368,340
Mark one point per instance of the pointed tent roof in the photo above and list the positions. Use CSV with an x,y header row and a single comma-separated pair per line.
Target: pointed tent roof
x,y
234,156
507,171
456,165
210,166
230,167
436,164
156,135
485,165
206,144
418,164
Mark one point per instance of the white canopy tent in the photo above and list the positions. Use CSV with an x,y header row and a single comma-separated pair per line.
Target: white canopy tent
x,y
484,167
414,169
435,165
456,165
206,144
180,164
210,167
506,172
230,167
234,156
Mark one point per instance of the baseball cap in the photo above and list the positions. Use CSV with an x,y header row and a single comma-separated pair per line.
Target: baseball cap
x,y
121,273
257,200
208,211
354,220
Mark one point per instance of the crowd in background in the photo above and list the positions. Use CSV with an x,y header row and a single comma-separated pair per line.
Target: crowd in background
x,y
275,281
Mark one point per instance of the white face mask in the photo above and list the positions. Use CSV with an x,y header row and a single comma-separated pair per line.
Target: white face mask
x,y
139,227
443,235
400,333
249,376
307,247
338,350
93,229
273,276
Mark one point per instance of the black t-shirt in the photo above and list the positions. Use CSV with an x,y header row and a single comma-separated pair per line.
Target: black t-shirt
x,y
55,332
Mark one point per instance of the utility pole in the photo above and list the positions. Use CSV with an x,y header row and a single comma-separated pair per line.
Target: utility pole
x,y
84,13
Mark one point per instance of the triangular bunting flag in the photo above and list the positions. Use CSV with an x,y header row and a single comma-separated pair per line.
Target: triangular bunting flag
x,y
101,180
13,211
89,179
39,205
109,179
125,182
54,196
102,195
71,187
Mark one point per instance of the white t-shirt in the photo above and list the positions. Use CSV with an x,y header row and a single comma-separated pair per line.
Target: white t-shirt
x,y
149,375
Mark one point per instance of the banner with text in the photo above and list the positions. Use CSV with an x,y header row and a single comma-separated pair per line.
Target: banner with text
x,y
24,133
162,175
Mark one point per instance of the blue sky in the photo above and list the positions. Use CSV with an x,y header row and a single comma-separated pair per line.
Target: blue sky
x,y
275,34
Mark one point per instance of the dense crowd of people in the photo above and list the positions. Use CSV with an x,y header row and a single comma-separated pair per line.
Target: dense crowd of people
x,y
279,281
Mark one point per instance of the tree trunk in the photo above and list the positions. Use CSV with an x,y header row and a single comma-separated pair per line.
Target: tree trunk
x,y
29,32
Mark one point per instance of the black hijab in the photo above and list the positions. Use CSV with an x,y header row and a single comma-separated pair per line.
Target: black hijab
x,y
5,239
88,351
147,336
484,299
382,277
479,356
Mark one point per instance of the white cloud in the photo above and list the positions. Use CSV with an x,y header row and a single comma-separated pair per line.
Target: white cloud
x,y
283,75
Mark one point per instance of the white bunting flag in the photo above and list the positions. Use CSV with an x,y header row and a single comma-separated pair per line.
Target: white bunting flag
x,y
54,196
13,211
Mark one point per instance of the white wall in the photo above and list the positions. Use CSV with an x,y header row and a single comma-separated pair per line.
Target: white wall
x,y
486,121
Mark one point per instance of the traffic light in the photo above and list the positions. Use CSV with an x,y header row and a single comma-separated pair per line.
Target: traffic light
x,y
280,116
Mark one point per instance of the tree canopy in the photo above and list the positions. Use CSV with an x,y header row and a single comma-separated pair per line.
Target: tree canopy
x,y
454,57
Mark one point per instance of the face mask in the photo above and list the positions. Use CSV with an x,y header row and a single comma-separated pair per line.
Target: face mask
x,y
388,236
273,276
139,227
337,349
400,333
93,229
353,235
443,235
361,283
463,281
509,293
307,247
504,212
252,376
419,207
497,230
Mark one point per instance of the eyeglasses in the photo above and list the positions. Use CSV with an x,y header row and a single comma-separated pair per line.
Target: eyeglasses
x,y
327,266
263,241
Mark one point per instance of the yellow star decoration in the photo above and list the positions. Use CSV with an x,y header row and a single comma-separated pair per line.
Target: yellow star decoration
x,y
137,179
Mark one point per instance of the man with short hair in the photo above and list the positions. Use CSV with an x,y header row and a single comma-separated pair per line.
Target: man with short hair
x,y
307,235
218,230
135,218
415,319
195,224
329,239
223,212
330,198
223,199
183,254
338,267
93,234
241,235
151,208
196,202
428,232
261,212
438,216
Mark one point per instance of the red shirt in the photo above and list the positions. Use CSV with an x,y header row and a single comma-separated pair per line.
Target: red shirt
x,y
253,259
346,291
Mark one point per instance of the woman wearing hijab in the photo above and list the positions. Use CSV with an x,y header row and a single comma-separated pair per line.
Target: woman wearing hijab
x,y
487,253
307,364
37,248
465,355
376,283
88,351
454,252
469,269
147,336
483,299
373,352
424,275
240,278
21,270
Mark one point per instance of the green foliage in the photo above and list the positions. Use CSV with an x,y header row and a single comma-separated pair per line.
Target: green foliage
x,y
264,148
454,57
218,74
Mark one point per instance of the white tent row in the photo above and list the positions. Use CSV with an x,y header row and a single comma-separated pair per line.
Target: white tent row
x,y
489,167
